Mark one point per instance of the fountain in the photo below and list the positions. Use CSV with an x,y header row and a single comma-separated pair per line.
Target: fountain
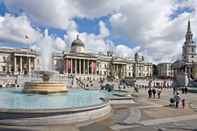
x,y
53,109
45,86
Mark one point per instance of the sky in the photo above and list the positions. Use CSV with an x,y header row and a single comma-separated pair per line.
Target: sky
x,y
154,28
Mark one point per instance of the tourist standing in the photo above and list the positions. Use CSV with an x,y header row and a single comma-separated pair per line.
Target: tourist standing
x,y
183,90
149,93
177,100
154,92
186,90
159,93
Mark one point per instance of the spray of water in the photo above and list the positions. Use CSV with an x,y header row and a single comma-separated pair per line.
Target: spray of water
x,y
46,49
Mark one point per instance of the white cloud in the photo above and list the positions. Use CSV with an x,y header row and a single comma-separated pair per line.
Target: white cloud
x,y
54,13
148,24
145,22
125,52
94,43
17,29
104,32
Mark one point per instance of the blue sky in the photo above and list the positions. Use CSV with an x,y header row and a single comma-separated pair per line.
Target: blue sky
x,y
134,23
92,26
84,25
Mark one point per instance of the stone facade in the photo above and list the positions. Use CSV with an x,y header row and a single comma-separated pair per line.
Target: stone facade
x,y
165,70
76,63
99,66
17,61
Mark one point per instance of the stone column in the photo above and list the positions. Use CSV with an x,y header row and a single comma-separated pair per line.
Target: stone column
x,y
79,66
84,69
21,65
66,64
76,66
88,66
15,67
91,67
71,66
29,64
34,63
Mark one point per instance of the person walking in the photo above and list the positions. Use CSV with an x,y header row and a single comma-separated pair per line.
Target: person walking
x,y
154,92
159,93
186,90
183,90
177,100
183,103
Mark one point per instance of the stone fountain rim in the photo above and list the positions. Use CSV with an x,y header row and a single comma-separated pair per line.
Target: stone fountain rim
x,y
57,110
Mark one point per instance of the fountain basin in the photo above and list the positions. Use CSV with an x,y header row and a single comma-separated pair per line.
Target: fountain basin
x,y
44,87
73,107
54,117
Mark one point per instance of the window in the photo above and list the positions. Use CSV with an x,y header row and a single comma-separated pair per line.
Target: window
x,y
4,58
193,50
4,68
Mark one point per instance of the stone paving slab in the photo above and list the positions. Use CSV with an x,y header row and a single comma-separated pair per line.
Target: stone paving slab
x,y
168,120
37,128
119,102
164,112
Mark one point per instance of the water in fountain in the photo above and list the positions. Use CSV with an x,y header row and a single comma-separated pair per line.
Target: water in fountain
x,y
45,72
46,49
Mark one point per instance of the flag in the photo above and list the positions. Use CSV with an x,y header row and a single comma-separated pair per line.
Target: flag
x,y
26,37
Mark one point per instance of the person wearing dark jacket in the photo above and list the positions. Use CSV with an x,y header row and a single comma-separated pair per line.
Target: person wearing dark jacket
x,y
154,92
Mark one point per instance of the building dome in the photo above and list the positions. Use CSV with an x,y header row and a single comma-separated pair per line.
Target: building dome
x,y
77,46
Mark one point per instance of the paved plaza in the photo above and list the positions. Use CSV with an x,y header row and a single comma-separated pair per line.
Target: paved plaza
x,y
139,114
150,115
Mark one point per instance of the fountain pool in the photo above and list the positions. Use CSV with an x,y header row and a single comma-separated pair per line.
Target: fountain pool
x,y
75,98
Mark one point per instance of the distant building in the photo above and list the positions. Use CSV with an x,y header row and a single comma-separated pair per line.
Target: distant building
x,y
77,63
17,61
165,70
89,66
189,55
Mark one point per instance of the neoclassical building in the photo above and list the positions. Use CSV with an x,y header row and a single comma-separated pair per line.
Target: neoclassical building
x,y
86,66
17,61
76,63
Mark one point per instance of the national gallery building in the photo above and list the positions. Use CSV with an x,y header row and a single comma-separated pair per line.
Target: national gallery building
x,y
75,63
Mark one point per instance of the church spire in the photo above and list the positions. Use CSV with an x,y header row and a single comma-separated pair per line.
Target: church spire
x,y
189,34
189,27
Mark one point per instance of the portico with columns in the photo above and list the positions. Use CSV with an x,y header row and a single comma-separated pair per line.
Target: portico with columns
x,y
80,65
23,64
119,69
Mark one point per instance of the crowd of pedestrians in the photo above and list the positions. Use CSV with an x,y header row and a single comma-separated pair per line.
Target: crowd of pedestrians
x,y
152,92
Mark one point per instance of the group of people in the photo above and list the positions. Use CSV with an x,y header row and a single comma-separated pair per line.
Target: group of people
x,y
184,90
152,93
